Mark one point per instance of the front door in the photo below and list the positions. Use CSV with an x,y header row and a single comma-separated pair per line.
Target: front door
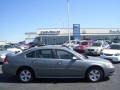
x,y
67,66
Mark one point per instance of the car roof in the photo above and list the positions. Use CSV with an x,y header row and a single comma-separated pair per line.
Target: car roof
x,y
48,47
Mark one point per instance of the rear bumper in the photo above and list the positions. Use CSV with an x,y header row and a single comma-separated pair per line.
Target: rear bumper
x,y
8,69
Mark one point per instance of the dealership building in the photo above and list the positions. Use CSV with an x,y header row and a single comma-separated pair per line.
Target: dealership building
x,y
57,36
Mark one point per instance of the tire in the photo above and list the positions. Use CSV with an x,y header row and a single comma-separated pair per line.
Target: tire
x,y
95,74
25,75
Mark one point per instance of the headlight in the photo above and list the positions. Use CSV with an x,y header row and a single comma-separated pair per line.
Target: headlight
x,y
2,56
117,54
109,65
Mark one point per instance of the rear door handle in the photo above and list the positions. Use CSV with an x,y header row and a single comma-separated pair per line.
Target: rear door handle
x,y
33,62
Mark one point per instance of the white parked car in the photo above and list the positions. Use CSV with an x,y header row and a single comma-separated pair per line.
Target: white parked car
x,y
4,50
96,48
73,43
112,54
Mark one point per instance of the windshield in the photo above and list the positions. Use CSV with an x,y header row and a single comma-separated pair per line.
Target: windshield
x,y
2,48
84,43
97,44
79,55
115,47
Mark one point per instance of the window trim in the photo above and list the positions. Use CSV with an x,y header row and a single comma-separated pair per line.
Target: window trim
x,y
52,52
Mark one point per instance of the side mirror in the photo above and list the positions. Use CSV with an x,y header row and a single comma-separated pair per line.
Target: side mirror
x,y
74,58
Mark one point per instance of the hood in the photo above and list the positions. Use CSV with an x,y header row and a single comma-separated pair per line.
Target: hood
x,y
93,47
111,51
14,50
97,60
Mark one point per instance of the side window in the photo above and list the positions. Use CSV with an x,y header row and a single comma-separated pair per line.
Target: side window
x,y
46,53
64,54
31,54
42,53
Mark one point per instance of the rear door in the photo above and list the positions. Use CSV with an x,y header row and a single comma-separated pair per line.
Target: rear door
x,y
44,62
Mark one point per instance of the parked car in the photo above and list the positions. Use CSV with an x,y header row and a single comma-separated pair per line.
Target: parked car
x,y
116,40
83,45
23,46
35,44
73,43
112,54
4,50
97,48
55,62
3,53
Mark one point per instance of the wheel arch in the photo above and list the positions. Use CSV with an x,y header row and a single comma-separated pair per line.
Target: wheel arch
x,y
94,66
25,67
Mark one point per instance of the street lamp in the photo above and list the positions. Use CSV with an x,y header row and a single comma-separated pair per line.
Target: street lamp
x,y
68,1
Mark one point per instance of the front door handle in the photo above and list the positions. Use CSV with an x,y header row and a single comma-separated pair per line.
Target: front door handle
x,y
59,63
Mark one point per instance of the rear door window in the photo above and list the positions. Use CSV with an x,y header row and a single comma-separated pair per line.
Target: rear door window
x,y
46,53
42,53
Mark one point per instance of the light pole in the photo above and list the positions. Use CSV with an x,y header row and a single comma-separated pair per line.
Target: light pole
x,y
68,2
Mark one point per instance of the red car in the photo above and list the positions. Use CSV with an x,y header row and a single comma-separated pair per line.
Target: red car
x,y
83,45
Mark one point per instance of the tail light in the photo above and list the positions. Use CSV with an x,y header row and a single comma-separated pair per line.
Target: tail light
x,y
5,60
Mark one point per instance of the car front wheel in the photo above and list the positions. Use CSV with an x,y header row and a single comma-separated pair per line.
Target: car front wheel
x,y
95,74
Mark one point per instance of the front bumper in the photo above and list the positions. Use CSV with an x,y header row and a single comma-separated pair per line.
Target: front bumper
x,y
109,72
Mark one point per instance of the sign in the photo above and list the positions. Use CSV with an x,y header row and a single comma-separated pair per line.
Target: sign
x,y
31,33
76,31
50,32
114,31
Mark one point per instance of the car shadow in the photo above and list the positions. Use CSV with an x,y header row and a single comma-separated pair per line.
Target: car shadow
x,y
13,79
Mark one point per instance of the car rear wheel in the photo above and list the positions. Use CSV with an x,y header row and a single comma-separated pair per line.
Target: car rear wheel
x,y
95,74
25,75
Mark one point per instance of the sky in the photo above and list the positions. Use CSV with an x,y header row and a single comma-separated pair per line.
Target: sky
x,y
20,16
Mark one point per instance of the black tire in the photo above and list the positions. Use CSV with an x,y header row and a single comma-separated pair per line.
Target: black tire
x,y
27,77
95,74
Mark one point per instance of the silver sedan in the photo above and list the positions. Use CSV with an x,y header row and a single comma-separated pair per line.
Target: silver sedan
x,y
55,62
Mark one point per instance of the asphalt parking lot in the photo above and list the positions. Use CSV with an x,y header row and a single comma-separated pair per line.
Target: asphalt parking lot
x,y
11,83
